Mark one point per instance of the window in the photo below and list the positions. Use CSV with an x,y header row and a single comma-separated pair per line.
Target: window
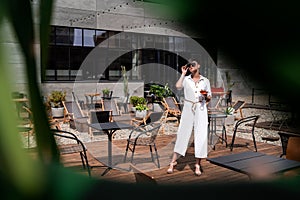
x,y
88,38
76,37
70,46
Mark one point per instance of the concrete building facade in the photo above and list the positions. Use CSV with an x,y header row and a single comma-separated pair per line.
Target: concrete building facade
x,y
130,16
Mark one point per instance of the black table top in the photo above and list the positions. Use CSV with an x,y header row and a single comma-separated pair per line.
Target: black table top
x,y
110,126
252,163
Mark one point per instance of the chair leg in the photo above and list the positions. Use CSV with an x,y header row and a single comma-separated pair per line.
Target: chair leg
x,y
158,164
82,160
232,141
254,142
126,151
133,149
151,153
225,136
85,162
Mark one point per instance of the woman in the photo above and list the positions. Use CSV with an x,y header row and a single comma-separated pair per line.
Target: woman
x,y
194,117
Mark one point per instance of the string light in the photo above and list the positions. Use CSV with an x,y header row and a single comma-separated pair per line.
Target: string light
x,y
144,25
108,10
98,12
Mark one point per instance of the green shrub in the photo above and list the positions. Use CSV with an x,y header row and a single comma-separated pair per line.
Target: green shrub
x,y
56,98
141,107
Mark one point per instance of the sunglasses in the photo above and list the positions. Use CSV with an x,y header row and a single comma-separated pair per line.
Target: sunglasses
x,y
191,65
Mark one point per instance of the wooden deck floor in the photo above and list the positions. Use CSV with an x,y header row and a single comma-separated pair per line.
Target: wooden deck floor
x,y
184,171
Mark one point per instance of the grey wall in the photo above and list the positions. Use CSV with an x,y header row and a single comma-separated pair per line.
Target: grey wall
x,y
114,15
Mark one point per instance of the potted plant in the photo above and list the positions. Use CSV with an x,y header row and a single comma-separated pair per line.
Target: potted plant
x,y
133,100
141,110
106,92
160,91
229,111
55,100
136,100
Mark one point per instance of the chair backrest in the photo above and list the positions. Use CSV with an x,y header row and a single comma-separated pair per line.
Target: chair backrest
x,y
99,116
110,104
238,105
74,146
171,103
214,103
150,131
171,106
284,138
154,117
73,108
75,98
253,119
293,148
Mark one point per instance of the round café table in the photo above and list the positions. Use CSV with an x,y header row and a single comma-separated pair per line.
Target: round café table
x,y
213,136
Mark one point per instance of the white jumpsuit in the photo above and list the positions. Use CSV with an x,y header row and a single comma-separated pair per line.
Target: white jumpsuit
x,y
194,115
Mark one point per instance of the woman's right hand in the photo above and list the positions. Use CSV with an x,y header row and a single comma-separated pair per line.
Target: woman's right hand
x,y
184,69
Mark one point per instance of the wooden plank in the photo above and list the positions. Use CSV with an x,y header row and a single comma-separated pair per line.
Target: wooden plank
x,y
184,171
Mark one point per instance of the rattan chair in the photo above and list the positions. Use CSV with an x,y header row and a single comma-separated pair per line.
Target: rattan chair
x,y
143,136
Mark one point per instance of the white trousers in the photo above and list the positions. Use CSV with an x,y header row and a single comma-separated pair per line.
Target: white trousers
x,y
192,119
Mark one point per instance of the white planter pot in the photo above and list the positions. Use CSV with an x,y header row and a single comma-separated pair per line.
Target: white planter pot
x,y
140,114
133,109
57,112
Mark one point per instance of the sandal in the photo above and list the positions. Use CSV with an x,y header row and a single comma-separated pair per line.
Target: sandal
x,y
198,170
171,168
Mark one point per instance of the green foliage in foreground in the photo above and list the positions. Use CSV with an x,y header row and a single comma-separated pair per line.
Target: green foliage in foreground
x,y
21,177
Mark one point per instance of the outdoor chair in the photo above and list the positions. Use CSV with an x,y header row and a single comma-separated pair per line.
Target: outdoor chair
x,y
151,117
238,106
143,136
227,99
98,116
293,148
73,146
172,107
244,121
111,105
165,120
284,138
75,115
26,124
293,153
214,104
81,102
280,110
